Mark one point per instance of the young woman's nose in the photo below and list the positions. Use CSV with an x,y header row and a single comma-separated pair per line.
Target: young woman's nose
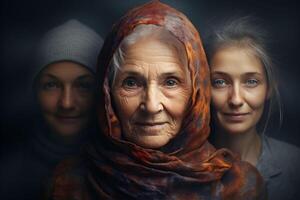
x,y
152,100
235,97
66,100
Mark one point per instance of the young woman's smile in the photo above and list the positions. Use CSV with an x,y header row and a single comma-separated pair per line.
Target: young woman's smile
x,y
239,89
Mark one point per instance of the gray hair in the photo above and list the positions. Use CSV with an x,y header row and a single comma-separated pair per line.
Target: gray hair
x,y
243,33
140,32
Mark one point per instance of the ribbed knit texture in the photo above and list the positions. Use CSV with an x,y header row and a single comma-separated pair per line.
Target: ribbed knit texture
x,y
71,41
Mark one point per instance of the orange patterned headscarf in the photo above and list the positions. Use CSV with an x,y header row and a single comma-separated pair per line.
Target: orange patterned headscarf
x,y
188,167
156,13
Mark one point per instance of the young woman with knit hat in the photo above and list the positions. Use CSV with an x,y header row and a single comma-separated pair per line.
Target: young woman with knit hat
x,y
63,86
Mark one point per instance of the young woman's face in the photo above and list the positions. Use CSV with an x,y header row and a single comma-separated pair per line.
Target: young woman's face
x,y
151,93
239,89
65,93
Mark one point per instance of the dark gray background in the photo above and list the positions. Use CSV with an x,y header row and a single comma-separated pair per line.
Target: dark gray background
x,y
24,22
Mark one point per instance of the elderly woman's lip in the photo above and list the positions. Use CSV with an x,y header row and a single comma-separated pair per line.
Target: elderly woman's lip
x,y
149,123
149,129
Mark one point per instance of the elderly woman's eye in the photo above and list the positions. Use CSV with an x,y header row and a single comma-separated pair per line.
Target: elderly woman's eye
x,y
171,82
252,82
219,83
130,83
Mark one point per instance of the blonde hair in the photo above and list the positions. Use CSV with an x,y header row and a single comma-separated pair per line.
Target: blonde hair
x,y
243,33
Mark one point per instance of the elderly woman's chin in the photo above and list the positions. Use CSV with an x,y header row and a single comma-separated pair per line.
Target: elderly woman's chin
x,y
152,137
152,141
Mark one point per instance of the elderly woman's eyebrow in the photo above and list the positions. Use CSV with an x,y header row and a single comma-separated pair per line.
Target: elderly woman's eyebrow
x,y
163,74
131,73
169,74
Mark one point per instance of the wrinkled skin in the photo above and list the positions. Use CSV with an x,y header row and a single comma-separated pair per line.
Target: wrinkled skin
x,y
151,93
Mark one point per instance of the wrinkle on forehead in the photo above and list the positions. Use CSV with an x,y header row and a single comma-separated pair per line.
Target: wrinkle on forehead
x,y
161,45
164,67
153,54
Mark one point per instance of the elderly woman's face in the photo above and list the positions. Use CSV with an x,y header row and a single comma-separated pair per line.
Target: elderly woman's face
x,y
151,93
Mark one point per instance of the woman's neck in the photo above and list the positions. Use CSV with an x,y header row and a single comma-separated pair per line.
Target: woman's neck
x,y
247,144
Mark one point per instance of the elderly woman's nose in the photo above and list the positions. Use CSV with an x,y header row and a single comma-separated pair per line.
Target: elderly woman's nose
x,y
66,99
153,100
236,96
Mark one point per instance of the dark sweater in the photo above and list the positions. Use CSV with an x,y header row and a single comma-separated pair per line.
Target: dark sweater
x,y
25,167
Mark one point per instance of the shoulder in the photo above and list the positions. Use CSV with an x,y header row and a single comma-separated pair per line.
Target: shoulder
x,y
12,158
67,181
279,164
243,181
284,154
19,171
282,147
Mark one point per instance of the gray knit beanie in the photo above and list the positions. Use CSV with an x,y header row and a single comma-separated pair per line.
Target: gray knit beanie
x,y
71,41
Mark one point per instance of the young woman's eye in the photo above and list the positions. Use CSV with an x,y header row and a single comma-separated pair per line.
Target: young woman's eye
x,y
130,83
171,82
50,85
252,82
219,83
86,86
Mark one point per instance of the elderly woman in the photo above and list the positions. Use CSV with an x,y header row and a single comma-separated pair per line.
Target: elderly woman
x,y
154,118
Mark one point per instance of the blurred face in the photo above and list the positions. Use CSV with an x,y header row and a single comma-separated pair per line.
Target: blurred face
x,y
239,89
151,93
65,92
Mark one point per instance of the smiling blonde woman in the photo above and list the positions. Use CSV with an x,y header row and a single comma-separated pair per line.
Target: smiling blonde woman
x,y
244,93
